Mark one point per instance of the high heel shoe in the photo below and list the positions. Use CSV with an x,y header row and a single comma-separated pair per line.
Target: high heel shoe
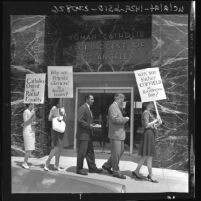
x,y
46,167
136,175
152,180
25,165
57,168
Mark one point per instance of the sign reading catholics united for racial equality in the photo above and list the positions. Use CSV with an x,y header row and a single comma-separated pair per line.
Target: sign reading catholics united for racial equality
x,y
150,84
34,88
60,82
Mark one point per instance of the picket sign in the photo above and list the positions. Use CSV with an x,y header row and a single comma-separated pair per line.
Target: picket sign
x,y
60,82
34,88
150,86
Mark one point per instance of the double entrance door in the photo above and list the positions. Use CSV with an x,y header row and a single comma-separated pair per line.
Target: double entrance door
x,y
103,98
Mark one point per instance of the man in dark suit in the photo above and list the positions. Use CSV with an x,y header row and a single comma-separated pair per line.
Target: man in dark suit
x,y
116,135
84,138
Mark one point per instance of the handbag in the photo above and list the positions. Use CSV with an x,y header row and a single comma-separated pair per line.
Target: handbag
x,y
58,125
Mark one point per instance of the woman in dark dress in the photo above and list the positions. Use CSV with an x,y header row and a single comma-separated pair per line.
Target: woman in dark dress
x,y
147,149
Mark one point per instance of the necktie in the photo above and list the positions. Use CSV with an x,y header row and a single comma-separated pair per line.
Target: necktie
x,y
90,112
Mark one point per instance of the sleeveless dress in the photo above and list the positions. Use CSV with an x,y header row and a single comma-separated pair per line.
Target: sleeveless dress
x,y
28,132
147,147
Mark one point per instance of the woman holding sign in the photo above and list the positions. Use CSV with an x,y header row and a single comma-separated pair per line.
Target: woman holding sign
x,y
58,117
28,132
147,148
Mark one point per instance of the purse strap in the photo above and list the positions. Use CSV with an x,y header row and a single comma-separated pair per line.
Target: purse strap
x,y
58,118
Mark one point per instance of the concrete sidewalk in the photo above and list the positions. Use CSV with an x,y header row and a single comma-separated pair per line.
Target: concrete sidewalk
x,y
169,180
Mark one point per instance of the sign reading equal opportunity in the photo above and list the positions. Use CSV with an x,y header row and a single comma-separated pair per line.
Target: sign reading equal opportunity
x,y
150,84
60,82
34,88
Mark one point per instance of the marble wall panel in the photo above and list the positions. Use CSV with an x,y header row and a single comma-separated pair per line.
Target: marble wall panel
x,y
170,54
27,36
27,56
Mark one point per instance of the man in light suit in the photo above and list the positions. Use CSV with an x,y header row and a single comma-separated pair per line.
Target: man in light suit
x,y
84,138
116,135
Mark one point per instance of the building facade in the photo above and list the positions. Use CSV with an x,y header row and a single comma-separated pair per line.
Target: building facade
x,y
104,50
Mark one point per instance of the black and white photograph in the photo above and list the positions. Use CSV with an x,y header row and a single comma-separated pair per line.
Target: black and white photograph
x,y
98,100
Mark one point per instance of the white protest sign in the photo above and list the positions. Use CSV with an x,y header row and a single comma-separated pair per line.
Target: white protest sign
x,y
60,82
150,84
34,88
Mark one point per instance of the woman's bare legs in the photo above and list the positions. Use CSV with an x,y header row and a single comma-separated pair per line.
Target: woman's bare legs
x,y
57,157
53,153
140,163
27,155
149,166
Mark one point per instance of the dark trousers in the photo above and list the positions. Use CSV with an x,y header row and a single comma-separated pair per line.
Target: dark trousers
x,y
85,150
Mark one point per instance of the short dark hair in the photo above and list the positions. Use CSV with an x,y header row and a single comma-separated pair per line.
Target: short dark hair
x,y
55,101
27,105
145,104
88,96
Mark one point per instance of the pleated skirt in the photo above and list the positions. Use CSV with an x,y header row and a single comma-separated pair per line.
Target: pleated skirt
x,y
147,146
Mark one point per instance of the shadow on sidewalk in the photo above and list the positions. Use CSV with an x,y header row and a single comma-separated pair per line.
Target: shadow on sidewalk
x,y
19,163
129,174
73,169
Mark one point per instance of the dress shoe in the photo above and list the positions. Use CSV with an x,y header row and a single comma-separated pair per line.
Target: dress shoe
x,y
107,169
97,170
81,172
119,175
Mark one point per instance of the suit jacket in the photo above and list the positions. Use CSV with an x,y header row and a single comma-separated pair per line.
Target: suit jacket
x,y
84,120
116,123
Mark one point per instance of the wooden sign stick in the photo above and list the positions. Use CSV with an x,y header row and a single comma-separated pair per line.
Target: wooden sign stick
x,y
157,113
34,111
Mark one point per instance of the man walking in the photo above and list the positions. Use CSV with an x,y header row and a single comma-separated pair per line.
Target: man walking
x,y
116,135
84,138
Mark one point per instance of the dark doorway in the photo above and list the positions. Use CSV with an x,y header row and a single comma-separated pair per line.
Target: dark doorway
x,y
100,110
102,102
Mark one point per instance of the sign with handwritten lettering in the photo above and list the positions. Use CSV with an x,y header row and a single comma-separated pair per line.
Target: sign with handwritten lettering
x,y
150,84
34,88
60,82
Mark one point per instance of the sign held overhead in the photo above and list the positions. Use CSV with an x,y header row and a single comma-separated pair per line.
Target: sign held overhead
x,y
34,88
60,82
150,84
